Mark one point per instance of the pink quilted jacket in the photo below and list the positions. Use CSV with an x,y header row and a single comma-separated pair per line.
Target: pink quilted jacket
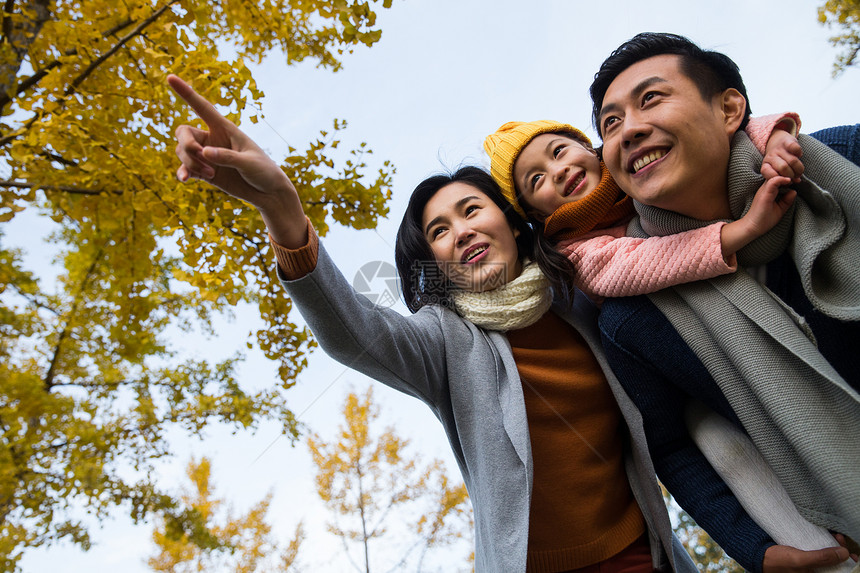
x,y
608,264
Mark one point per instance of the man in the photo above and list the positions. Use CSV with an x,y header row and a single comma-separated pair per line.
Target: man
x,y
669,113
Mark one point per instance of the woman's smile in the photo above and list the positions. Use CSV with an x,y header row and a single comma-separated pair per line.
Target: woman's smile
x,y
475,253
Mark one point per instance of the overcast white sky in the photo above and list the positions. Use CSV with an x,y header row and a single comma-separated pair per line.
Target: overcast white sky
x,y
445,74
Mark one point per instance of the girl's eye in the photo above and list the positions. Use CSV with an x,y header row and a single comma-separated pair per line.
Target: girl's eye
x,y
471,208
534,180
436,232
557,151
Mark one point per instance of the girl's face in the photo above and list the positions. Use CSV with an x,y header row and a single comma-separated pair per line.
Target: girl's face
x,y
552,170
471,240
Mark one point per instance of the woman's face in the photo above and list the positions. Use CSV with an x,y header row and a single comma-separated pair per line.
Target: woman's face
x,y
472,242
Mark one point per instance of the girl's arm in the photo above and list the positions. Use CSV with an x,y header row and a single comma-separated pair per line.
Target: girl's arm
x,y
760,129
407,353
613,265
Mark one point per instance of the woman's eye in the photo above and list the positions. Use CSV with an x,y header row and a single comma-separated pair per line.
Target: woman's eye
x,y
534,180
436,232
471,208
557,150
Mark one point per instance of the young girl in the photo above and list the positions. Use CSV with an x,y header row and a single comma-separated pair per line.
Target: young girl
x,y
509,403
550,173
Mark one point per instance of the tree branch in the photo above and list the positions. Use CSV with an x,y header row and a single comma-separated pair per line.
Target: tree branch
x,y
59,188
15,135
7,21
59,159
35,301
35,78
49,377
121,26
127,38
143,184
20,41
257,246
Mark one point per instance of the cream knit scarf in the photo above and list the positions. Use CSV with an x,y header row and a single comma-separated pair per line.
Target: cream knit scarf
x,y
514,305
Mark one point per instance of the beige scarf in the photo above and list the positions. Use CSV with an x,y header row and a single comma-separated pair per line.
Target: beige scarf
x,y
517,304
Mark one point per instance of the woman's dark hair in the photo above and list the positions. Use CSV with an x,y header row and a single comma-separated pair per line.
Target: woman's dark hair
x,y
712,72
421,280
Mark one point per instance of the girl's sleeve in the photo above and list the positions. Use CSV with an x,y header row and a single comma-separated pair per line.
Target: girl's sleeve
x,y
404,352
760,128
612,265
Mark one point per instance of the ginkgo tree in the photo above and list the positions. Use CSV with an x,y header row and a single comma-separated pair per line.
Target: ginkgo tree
x,y
238,543
89,383
381,494
844,15
706,553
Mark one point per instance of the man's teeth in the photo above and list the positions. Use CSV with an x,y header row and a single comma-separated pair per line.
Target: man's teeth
x,y
475,253
646,159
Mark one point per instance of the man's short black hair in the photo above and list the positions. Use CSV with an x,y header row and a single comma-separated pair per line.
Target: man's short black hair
x,y
711,71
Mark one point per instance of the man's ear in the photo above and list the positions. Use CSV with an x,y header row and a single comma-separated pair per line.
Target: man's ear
x,y
733,106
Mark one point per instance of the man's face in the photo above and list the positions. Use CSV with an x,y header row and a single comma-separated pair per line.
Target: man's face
x,y
663,143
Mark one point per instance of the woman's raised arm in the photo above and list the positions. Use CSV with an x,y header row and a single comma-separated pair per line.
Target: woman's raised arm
x,y
227,158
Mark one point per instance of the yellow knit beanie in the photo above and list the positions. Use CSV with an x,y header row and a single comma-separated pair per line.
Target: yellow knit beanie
x,y
505,145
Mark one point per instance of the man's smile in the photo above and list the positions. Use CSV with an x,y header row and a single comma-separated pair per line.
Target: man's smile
x,y
642,159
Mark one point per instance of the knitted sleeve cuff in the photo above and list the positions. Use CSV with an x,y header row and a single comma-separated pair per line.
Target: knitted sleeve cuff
x,y
760,128
296,263
790,122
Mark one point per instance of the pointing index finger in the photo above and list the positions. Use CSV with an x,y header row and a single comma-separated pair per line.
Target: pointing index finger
x,y
201,106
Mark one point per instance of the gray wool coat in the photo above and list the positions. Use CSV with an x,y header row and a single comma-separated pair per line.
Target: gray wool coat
x,y
468,378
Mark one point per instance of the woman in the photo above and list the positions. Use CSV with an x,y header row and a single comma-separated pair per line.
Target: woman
x,y
550,447
466,374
